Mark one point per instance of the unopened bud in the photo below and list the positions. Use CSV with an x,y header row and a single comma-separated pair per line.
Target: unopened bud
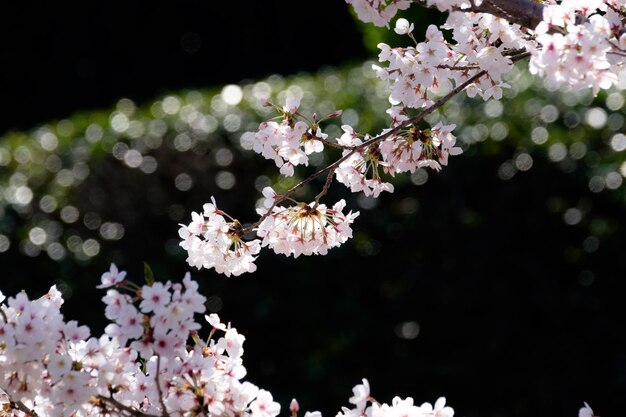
x,y
403,27
294,407
266,103
335,114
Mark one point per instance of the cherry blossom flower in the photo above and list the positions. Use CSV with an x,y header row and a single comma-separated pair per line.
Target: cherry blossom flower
x,y
112,277
264,405
58,365
439,409
214,320
269,197
361,395
155,298
585,411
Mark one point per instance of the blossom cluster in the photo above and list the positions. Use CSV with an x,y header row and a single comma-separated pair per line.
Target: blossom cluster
x,y
306,229
213,242
360,170
579,47
142,365
301,229
365,405
579,44
415,148
150,361
403,151
418,75
287,143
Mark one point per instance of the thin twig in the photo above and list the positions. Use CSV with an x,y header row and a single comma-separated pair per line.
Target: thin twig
x,y
616,10
158,384
332,144
132,411
458,68
620,51
329,181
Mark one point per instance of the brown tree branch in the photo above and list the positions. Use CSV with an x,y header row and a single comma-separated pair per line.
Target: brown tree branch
x,y
526,13
329,180
158,386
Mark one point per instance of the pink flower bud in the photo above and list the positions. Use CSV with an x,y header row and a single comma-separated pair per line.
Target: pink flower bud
x,y
294,407
335,114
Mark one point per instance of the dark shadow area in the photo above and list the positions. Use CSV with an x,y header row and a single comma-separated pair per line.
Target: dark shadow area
x,y
61,57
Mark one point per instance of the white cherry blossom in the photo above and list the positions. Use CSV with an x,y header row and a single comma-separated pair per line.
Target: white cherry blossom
x,y
112,277
585,411
306,229
213,242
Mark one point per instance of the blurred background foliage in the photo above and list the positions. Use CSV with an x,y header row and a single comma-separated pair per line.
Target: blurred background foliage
x,y
497,282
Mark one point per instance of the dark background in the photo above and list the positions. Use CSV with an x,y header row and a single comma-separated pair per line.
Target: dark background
x,y
58,57
515,319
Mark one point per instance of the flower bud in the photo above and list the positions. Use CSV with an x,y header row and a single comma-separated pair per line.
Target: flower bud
x,y
294,407
334,114
403,27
